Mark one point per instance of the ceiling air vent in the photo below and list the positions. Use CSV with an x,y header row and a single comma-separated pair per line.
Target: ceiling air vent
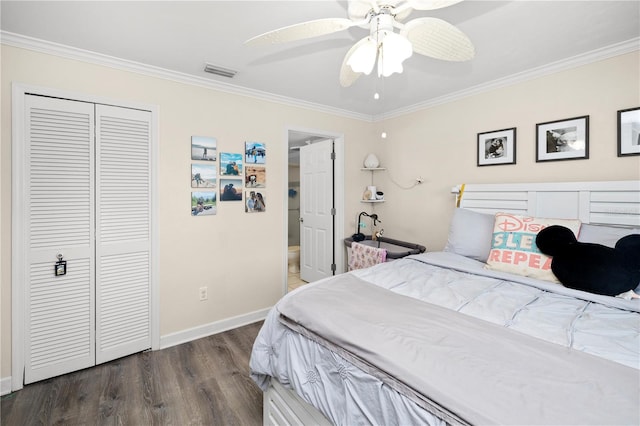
x,y
224,72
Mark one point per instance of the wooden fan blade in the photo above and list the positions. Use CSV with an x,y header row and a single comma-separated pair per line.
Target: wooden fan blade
x,y
301,31
438,39
431,4
347,75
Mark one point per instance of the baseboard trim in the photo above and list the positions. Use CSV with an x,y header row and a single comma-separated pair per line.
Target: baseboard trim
x,y
216,327
5,385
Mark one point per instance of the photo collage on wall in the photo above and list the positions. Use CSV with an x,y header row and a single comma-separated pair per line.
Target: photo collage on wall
x,y
203,176
255,177
236,170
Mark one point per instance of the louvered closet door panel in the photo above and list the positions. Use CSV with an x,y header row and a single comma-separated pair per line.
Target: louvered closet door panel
x,y
123,206
59,189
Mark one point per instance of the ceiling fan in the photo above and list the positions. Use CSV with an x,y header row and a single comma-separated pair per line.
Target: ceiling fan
x,y
426,36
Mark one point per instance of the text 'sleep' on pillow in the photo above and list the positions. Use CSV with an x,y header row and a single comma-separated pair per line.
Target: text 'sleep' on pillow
x,y
513,246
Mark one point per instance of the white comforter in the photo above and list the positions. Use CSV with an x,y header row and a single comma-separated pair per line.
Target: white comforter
x,y
601,326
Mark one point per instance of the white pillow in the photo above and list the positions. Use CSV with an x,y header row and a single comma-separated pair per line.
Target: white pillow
x,y
605,235
470,234
514,249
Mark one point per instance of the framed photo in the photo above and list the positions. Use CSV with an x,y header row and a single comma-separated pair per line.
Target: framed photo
x,y
231,164
203,203
563,140
255,153
497,147
255,176
203,176
255,202
230,189
203,148
629,132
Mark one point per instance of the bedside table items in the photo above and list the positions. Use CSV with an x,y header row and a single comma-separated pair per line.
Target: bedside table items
x,y
358,236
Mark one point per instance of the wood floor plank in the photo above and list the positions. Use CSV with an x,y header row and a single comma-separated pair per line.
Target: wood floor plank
x,y
203,382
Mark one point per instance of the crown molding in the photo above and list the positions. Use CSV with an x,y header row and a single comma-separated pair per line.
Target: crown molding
x,y
61,50
617,49
51,48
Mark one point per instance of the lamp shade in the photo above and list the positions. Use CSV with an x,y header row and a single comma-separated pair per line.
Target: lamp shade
x,y
393,51
364,55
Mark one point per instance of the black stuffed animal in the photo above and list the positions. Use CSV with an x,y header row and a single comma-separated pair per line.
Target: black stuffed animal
x,y
592,267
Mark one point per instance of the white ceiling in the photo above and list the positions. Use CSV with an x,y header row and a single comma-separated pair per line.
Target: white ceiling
x,y
510,38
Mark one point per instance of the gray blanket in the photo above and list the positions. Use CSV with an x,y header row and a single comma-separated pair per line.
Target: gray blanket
x,y
475,371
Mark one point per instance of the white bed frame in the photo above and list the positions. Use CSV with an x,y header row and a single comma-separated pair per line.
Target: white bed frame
x,y
611,203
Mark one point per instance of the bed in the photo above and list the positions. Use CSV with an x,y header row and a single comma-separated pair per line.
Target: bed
x,y
456,337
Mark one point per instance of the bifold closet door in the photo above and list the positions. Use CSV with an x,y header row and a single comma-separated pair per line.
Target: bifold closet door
x,y
59,186
87,186
123,232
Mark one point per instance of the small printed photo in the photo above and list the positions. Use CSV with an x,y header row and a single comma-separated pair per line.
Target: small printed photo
x,y
255,177
203,203
203,176
230,164
230,190
255,153
564,139
494,147
254,202
203,148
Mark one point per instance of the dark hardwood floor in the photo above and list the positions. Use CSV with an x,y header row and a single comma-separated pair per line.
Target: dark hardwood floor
x,y
203,382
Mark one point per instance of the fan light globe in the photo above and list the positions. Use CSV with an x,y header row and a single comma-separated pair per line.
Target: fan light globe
x,y
393,51
363,57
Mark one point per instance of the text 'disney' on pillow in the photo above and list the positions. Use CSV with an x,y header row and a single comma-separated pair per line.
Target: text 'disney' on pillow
x,y
513,245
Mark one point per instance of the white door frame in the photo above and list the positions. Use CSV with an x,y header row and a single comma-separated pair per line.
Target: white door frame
x,y
338,139
18,288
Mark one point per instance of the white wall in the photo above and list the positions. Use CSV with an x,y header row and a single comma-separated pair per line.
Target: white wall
x,y
439,143
240,256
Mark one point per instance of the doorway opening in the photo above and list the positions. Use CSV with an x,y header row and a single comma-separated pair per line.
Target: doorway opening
x,y
331,253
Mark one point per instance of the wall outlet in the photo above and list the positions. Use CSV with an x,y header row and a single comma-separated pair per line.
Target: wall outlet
x,y
203,293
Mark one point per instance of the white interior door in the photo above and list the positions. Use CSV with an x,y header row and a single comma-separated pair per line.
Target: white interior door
x,y
59,219
123,232
316,211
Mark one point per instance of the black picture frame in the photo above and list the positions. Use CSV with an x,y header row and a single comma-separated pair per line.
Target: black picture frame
x,y
561,140
629,132
497,147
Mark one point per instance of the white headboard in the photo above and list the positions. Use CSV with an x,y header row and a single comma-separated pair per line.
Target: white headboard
x,y
607,203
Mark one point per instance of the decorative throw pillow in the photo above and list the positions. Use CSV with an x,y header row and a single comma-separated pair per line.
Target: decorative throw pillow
x,y
513,246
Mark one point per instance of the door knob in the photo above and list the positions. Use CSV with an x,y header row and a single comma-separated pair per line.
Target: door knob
x,y
301,219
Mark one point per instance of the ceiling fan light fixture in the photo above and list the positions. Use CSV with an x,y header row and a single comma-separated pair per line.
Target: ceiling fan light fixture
x,y
426,36
363,57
